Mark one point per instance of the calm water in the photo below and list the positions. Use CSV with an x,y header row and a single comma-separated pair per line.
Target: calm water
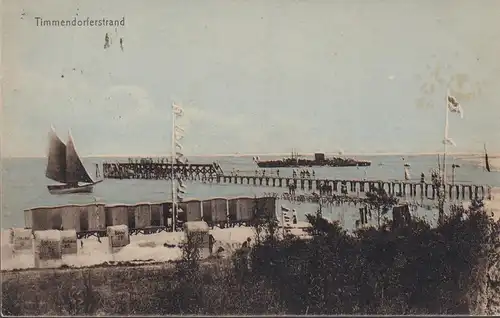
x,y
24,184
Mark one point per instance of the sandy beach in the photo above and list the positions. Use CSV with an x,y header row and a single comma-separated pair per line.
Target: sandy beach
x,y
142,248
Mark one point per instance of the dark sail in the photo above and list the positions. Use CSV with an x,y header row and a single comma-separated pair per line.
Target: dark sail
x,y
75,171
56,162
487,162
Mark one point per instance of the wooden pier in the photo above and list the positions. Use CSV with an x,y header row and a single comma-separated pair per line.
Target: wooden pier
x,y
213,173
155,170
350,187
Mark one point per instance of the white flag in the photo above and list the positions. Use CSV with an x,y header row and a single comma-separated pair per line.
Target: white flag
x,y
181,161
179,129
181,184
449,141
178,136
177,109
179,190
178,145
454,106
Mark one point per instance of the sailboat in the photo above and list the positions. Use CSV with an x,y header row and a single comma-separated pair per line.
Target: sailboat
x,y
64,166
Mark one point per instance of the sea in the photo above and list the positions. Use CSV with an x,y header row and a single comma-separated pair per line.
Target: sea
x,y
24,185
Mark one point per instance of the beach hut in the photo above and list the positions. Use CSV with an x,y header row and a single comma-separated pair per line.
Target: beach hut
x,y
70,217
28,220
197,235
157,214
96,219
266,207
116,214
47,249
207,211
46,218
241,209
142,215
192,210
215,210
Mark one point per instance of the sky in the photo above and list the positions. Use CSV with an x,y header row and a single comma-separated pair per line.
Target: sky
x,y
252,76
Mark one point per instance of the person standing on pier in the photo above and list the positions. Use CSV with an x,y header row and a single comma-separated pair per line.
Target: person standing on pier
x,y
422,178
294,216
278,173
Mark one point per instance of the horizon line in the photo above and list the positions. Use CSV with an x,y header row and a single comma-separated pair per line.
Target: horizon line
x,y
268,154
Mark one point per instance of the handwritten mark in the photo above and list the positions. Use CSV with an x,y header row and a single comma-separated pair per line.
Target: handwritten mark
x,y
106,41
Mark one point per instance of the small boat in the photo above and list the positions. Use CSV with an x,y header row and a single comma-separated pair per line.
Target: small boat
x,y
64,166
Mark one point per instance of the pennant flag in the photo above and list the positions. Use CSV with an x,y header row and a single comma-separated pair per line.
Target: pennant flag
x,y
177,136
177,109
181,184
284,209
178,145
449,141
181,161
178,133
454,106
180,190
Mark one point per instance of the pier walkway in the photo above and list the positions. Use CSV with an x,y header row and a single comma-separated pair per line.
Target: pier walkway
x,y
155,170
213,173
350,187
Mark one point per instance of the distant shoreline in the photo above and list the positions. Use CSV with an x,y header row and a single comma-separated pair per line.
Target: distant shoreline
x,y
469,155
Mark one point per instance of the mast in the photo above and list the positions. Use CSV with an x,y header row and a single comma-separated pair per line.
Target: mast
x,y
174,207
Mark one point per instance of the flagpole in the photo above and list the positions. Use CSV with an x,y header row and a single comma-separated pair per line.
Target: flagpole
x,y
445,142
283,222
174,209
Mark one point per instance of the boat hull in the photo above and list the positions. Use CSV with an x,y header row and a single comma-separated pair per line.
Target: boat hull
x,y
311,163
68,189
